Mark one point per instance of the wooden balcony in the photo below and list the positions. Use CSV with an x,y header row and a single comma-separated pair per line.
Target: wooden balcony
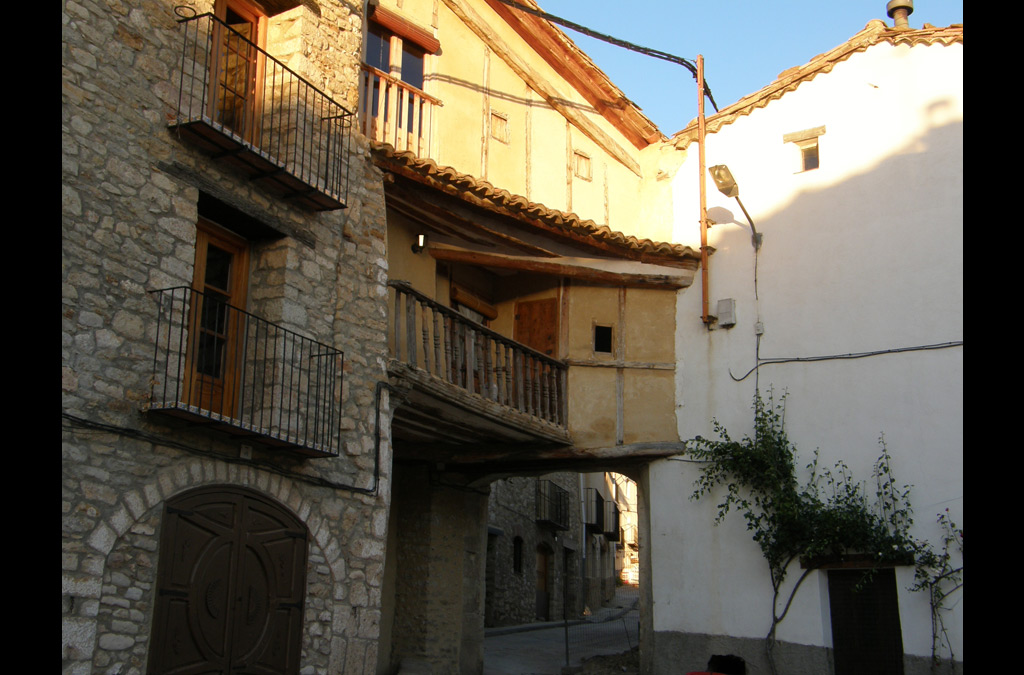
x,y
552,505
245,108
395,112
611,521
467,385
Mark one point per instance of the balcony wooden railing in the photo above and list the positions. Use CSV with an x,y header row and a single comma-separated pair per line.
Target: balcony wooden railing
x,y
225,367
244,107
395,112
438,340
552,505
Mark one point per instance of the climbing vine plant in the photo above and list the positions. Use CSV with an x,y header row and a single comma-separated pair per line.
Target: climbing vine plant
x,y
828,517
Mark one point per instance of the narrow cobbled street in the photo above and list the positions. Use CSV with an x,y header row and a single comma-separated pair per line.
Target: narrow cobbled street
x,y
541,648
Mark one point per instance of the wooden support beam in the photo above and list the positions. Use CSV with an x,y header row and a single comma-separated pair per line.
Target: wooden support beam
x,y
536,81
572,271
446,221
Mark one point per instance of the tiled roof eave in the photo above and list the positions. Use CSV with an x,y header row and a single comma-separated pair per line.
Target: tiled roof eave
x,y
568,225
876,32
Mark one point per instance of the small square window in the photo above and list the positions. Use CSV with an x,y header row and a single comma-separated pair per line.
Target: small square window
x,y
603,339
499,126
581,165
806,142
809,155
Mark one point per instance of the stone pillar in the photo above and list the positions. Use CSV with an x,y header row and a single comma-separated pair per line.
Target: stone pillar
x,y
439,583
643,516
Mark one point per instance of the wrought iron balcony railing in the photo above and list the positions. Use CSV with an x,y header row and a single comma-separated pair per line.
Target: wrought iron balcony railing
x,y
396,112
593,511
552,505
219,364
438,340
245,107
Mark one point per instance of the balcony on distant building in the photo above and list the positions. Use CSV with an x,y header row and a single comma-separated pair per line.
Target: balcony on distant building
x,y
593,511
552,505
395,112
246,108
467,385
222,367
611,521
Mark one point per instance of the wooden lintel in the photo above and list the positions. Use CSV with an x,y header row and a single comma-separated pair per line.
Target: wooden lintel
x,y
579,272
536,81
628,365
464,297
537,458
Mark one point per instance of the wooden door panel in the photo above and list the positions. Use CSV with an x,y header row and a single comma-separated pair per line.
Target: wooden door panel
x,y
230,586
536,325
866,633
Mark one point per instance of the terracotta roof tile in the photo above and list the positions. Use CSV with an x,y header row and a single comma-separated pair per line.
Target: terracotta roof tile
x,y
875,32
455,182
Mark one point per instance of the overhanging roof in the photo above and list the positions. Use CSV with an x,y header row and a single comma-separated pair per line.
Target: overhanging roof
x,y
875,32
573,64
559,226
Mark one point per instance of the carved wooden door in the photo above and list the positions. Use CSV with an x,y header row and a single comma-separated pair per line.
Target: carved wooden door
x,y
230,586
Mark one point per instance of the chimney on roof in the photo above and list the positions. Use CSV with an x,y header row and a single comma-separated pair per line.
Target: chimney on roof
x,y
899,11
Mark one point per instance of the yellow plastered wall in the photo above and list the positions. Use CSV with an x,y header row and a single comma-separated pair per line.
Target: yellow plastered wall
x,y
638,374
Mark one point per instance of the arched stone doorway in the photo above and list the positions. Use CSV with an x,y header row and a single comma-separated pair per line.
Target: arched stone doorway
x,y
230,584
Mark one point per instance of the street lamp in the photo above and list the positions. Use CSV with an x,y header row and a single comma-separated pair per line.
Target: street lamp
x,y
726,184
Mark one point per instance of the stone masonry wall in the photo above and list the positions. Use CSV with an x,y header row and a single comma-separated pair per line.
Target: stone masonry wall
x,y
511,596
130,195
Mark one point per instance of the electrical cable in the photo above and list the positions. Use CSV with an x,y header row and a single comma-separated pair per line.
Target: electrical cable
x,y
158,439
841,357
646,51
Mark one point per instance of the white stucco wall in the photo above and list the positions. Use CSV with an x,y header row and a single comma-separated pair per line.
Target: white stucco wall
x,y
862,254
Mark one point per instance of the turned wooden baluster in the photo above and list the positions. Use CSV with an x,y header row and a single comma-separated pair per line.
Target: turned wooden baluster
x,y
506,392
410,329
425,332
546,379
488,385
438,366
449,356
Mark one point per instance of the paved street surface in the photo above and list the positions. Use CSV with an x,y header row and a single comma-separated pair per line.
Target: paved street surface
x,y
539,649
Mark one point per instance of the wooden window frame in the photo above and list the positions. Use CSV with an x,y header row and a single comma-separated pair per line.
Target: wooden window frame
x,y
205,391
252,101
582,165
499,132
808,146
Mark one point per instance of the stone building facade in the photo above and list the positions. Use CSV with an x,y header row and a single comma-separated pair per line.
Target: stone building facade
x,y
533,563
136,203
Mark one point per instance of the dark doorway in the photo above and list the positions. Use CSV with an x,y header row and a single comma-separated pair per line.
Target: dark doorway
x,y
230,586
543,583
866,635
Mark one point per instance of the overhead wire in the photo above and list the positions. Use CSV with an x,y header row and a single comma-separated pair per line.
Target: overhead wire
x,y
841,357
603,37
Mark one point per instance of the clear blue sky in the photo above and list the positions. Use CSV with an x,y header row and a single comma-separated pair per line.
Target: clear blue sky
x,y
745,43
